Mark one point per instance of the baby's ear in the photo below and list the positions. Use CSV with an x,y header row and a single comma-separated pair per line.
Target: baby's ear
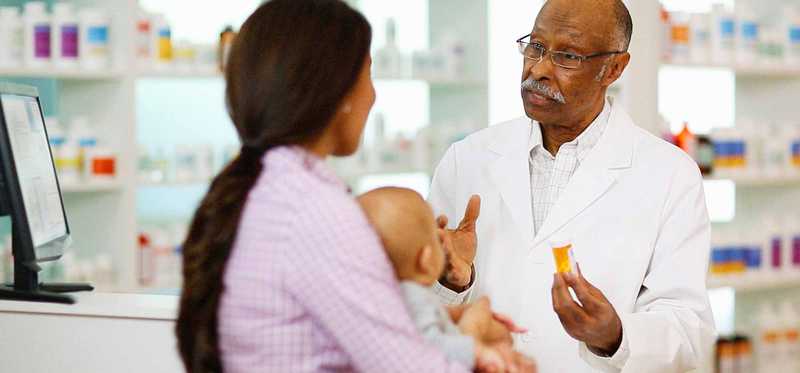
x,y
426,259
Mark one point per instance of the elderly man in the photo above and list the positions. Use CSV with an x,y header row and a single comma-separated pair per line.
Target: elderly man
x,y
578,171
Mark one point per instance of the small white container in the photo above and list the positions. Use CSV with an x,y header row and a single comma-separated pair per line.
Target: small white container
x,y
700,38
95,44
792,36
747,36
11,37
65,36
37,35
145,43
723,35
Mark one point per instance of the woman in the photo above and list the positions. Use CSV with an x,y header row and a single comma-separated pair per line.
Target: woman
x,y
282,272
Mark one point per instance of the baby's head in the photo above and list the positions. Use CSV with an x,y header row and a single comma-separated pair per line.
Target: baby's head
x,y
405,223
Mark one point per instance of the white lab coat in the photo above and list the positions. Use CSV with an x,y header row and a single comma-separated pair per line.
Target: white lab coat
x,y
636,214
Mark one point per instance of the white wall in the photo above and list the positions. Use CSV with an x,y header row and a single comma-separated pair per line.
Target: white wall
x,y
508,20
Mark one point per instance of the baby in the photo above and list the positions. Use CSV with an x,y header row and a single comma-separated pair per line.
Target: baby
x,y
409,234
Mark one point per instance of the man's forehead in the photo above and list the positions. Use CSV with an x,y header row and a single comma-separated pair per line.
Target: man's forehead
x,y
579,26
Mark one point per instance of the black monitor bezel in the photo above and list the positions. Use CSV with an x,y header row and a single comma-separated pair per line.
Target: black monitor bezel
x,y
48,251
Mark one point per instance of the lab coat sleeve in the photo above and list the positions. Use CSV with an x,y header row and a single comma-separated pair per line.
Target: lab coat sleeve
x,y
671,328
441,198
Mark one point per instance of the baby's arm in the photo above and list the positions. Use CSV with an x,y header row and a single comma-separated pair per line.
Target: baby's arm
x,y
456,346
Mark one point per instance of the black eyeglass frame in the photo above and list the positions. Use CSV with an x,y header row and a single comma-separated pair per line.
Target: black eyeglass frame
x,y
522,46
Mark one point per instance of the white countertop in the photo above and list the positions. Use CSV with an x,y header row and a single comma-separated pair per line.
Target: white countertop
x,y
106,305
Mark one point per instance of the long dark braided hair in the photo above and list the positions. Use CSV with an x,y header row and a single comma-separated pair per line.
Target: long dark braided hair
x,y
290,68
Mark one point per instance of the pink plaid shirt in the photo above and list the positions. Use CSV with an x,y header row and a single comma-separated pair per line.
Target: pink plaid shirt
x,y
308,287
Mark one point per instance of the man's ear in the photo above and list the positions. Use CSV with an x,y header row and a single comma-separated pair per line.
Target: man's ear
x,y
615,68
426,260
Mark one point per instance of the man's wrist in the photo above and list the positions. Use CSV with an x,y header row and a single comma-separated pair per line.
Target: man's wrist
x,y
459,289
607,351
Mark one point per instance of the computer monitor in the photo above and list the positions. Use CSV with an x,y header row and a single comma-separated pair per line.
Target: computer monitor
x,y
31,195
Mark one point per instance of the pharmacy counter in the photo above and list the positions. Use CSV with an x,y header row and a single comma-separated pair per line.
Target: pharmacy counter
x,y
102,332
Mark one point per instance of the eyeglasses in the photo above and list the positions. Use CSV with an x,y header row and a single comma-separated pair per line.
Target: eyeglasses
x,y
535,52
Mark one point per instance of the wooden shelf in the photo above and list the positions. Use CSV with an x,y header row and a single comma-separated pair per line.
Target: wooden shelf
x,y
91,187
752,283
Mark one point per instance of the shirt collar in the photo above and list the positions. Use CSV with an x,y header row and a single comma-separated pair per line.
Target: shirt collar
x,y
583,143
298,158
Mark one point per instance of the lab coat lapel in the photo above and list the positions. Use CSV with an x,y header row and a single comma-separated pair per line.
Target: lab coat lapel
x,y
594,177
510,173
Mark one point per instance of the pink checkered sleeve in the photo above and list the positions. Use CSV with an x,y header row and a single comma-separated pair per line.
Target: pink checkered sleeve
x,y
349,287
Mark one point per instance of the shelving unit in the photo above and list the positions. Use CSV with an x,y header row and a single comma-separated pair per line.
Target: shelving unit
x,y
752,71
61,74
92,187
755,283
762,182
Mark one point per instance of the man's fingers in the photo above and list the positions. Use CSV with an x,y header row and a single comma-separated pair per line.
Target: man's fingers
x,y
441,221
524,364
508,323
591,297
472,213
570,313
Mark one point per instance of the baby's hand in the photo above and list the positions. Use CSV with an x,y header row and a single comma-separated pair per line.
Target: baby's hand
x,y
489,360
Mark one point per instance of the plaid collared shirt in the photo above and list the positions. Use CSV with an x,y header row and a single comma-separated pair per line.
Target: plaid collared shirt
x,y
550,174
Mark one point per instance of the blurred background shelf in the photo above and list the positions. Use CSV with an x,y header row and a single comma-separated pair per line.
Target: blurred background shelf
x,y
754,283
91,187
433,80
177,73
174,184
759,182
61,74
766,71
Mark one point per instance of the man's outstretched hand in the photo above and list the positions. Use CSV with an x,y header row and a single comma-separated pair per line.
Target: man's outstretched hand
x,y
460,245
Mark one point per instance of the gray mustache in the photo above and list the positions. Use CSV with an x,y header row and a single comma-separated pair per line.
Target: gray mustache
x,y
538,87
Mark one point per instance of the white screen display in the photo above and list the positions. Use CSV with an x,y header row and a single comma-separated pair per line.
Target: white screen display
x,y
37,177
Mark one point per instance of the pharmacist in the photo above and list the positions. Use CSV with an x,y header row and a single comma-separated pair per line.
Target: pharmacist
x,y
577,170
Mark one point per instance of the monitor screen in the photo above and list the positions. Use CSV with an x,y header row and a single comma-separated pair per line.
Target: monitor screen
x,y
35,170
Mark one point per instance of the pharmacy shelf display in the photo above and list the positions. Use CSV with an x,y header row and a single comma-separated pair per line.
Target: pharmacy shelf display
x,y
103,216
775,71
755,283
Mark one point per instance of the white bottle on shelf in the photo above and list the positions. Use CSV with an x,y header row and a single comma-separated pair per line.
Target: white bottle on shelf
x,y
145,42
379,141
747,35
791,30
768,346
723,35
776,152
680,36
388,59
700,38
11,37
95,46
83,136
65,36
37,35
790,330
